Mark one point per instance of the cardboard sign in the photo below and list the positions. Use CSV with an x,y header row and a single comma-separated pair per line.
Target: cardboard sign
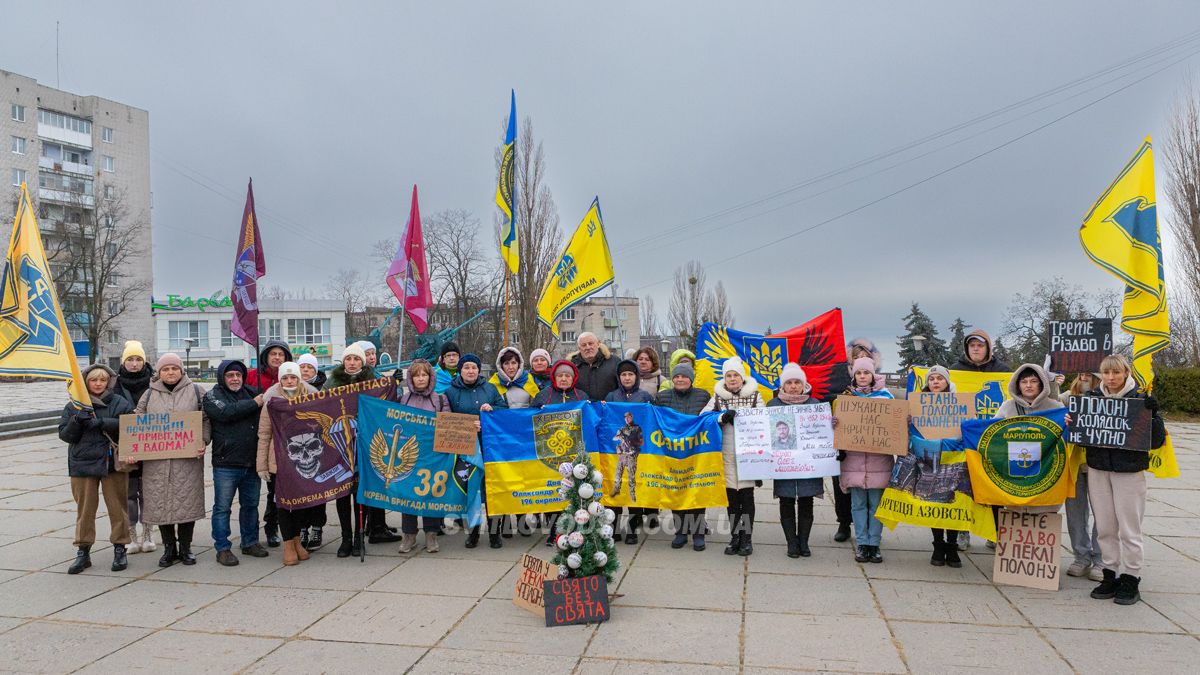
x,y
1079,345
171,435
1027,550
528,592
784,442
1104,422
878,425
938,416
455,433
578,600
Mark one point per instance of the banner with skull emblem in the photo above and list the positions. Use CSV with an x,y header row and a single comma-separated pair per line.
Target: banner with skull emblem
x,y
314,442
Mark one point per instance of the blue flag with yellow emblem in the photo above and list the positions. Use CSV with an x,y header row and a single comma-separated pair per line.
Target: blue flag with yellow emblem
x,y
399,470
34,340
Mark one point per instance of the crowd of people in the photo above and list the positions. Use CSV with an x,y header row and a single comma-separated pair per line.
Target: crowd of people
x,y
169,494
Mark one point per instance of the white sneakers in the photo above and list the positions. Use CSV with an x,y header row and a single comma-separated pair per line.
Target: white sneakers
x,y
431,542
134,545
147,539
1078,568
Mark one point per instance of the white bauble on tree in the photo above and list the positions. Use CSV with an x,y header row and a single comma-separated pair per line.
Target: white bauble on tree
x,y
567,483
581,471
563,571
597,477
582,516
565,469
561,542
596,509
575,539
606,532
586,490
609,515
574,561
601,558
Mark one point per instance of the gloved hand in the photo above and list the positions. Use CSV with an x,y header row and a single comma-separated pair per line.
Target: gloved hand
x,y
727,416
95,424
1151,404
83,418
265,476
841,455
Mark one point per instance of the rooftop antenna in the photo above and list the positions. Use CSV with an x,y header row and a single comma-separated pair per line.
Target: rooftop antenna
x,y
57,70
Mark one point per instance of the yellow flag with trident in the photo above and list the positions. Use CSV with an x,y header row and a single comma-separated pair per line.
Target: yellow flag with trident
x,y
34,340
583,269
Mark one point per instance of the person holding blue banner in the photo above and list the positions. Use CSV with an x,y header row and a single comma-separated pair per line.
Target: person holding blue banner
x,y
945,542
629,390
682,397
420,384
470,395
562,387
735,391
796,495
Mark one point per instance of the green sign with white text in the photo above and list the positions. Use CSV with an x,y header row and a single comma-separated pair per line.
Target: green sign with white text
x,y
179,303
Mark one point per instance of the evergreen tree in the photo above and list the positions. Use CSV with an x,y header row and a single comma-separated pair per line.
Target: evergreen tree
x,y
1000,352
933,351
958,333
585,528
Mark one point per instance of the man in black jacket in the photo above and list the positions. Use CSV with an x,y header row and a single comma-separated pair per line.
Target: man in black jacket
x,y
233,407
597,367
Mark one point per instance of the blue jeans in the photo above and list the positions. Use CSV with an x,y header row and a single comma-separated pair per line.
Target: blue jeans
x,y
863,502
247,484
1085,542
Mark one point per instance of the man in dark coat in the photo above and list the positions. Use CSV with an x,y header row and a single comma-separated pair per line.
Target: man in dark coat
x,y
233,407
597,367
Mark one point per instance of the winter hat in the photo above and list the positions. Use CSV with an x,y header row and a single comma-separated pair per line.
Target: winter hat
x,y
448,347
539,352
684,369
169,359
939,370
792,371
309,359
734,364
565,364
367,345
289,368
133,348
469,358
863,363
630,352
353,350
625,365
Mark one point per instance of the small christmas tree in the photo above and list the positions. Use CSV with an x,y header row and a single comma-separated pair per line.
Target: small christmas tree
x,y
585,528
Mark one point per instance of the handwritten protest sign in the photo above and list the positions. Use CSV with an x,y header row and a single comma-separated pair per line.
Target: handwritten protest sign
x,y
170,435
938,416
533,573
578,600
1078,345
455,433
791,441
878,425
1104,422
1027,551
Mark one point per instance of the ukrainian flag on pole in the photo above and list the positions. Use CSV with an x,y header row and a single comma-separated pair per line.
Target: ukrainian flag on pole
x,y
1120,234
506,192
584,269
34,339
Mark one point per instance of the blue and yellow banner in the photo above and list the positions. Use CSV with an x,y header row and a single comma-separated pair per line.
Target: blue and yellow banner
x,y
1020,461
522,450
931,487
34,338
656,458
583,269
990,389
506,192
400,471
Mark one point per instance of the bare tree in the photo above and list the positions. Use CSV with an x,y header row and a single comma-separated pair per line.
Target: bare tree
x,y
719,310
689,301
651,324
1182,159
90,249
1025,329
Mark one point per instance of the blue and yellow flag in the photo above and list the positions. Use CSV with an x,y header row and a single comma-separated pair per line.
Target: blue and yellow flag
x,y
931,487
584,269
656,458
1120,234
34,339
522,450
506,192
1020,461
399,470
990,389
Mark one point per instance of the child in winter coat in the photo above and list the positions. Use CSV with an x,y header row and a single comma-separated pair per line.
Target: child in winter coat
x,y
1085,543
736,390
629,391
133,379
945,542
796,495
865,474
1117,491
291,521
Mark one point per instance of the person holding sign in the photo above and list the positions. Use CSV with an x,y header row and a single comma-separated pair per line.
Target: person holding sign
x,y
682,397
865,475
945,542
470,395
291,521
795,495
1117,491
133,379
91,438
1085,542
421,385
735,391
174,488
630,390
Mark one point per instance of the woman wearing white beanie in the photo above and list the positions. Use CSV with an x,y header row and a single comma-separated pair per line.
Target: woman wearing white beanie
x,y
736,390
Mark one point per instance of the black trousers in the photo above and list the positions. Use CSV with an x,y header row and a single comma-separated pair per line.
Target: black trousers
x,y
741,509
941,536
841,504
636,516
292,523
345,515
181,533
270,516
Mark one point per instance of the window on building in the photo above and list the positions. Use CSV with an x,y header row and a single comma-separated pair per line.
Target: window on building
x,y
108,164
113,337
114,307
68,122
226,333
179,331
308,331
18,145
109,192
568,336
106,134
569,315
18,112
18,176
270,329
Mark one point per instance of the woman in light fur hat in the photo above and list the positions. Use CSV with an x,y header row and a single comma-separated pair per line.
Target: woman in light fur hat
x,y
735,391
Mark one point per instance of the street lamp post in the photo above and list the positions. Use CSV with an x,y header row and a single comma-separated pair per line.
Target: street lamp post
x,y
918,347
187,353
664,345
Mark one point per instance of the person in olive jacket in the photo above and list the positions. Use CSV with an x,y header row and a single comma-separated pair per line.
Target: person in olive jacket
x,y
91,450
233,407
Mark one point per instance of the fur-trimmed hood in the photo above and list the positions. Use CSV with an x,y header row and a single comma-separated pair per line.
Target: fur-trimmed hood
x,y
605,354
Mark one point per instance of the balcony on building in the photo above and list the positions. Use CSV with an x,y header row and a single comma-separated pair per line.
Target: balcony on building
x,y
68,129
65,188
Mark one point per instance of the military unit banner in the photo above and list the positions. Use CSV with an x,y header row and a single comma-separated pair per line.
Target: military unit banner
x,y
1020,461
656,458
313,437
931,487
400,471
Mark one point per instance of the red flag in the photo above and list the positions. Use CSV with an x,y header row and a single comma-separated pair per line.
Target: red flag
x,y
819,346
248,267
408,275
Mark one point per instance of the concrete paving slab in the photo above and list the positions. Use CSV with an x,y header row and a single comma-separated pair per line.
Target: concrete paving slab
x,y
1076,609
146,604
826,643
342,575
958,648
619,666
291,610
466,578
952,603
680,635
696,589
494,626
834,596
469,662
46,647
392,618
1090,651
177,651
40,594
316,656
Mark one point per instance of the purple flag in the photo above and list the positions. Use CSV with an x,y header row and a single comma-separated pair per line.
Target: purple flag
x,y
313,438
248,267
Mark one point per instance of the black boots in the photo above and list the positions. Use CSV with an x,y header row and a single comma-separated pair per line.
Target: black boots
x,y
868,554
346,544
185,552
170,547
635,521
843,532
356,547
952,559
735,544
494,540
120,559
1107,590
939,553
473,537
1127,589
271,532
83,560
787,520
746,547
304,538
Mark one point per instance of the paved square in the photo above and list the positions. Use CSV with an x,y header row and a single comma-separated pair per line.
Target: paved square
x,y
676,610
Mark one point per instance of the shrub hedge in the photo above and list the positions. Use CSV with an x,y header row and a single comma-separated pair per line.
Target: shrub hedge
x,y
1178,389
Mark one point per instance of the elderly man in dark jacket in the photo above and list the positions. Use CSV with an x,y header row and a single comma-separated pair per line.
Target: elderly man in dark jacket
x,y
597,367
233,407
684,398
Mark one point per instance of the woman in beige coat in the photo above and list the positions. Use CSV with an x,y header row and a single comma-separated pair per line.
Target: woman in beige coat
x,y
173,489
736,391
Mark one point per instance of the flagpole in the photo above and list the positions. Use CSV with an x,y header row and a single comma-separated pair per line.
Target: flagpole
x,y
506,332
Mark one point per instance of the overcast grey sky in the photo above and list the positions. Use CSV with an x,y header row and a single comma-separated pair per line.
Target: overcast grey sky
x,y
669,111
